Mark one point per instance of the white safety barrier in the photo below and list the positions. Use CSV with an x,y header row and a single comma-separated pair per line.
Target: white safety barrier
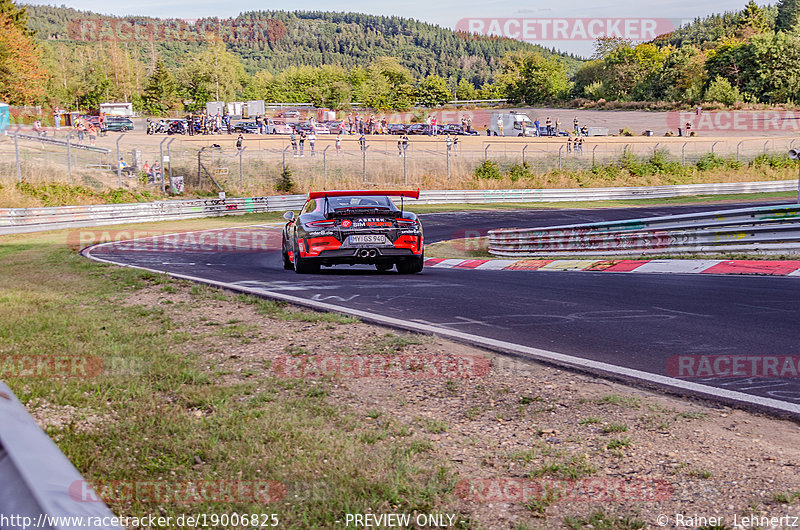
x,y
39,487
20,220
759,229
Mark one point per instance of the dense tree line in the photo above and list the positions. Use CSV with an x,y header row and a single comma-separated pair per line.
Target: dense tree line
x,y
337,59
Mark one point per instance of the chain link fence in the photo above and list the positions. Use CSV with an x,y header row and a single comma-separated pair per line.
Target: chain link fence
x,y
214,163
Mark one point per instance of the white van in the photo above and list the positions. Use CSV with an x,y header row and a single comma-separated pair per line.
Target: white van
x,y
512,124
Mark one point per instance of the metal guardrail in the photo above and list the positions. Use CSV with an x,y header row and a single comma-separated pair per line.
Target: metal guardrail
x,y
760,229
20,220
63,143
38,484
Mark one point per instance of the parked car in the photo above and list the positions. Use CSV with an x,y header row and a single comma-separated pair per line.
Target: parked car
x,y
397,128
306,127
248,127
418,128
335,127
278,127
293,114
119,124
353,227
543,132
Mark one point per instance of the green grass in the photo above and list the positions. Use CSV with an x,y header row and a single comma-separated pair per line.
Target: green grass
x,y
573,468
600,520
165,413
621,401
619,443
614,427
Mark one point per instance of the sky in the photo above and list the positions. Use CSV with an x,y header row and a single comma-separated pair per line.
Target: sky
x,y
445,13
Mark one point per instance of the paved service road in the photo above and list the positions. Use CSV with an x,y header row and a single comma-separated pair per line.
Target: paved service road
x,y
655,323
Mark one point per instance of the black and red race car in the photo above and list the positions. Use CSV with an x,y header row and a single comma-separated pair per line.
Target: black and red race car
x,y
350,227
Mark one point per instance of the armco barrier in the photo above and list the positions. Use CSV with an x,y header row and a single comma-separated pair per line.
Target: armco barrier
x,y
19,220
760,229
35,477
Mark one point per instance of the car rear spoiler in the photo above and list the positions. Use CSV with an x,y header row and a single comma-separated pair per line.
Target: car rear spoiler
x,y
414,194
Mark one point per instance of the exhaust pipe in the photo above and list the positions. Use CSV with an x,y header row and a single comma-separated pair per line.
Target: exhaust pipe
x,y
373,253
364,253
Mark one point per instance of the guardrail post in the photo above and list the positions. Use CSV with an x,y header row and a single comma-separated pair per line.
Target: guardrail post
x,y
655,148
593,150
16,152
116,161
683,154
325,166
448,165
485,152
405,168
241,178
737,149
523,154
364,164
765,146
200,165
169,158
560,147
69,158
161,164
712,147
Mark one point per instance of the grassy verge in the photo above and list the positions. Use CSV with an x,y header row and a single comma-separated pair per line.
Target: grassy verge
x,y
163,411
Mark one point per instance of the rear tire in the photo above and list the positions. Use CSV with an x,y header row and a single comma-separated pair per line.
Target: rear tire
x,y
303,265
287,263
411,265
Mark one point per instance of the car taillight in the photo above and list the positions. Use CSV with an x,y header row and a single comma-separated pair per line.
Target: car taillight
x,y
322,224
405,222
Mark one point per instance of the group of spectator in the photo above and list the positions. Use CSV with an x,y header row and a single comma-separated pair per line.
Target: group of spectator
x,y
312,140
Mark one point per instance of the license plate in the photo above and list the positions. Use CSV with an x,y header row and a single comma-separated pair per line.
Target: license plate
x,y
372,239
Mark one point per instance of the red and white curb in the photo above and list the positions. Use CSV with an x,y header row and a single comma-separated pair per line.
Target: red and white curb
x,y
679,266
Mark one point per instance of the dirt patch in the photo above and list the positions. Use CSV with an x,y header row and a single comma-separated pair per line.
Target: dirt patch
x,y
580,448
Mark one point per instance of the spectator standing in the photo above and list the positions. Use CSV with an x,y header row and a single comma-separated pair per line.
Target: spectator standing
x,y
400,146
405,143
455,146
57,118
575,127
260,123
429,125
558,126
548,124
293,139
339,144
433,124
239,142
102,122
81,128
302,142
580,146
449,143
362,142
569,144
500,126
469,123
312,139
92,134
536,126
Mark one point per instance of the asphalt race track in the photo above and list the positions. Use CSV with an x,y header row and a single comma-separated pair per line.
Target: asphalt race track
x,y
647,326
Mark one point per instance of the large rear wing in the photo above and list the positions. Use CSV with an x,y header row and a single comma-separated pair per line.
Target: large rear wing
x,y
414,194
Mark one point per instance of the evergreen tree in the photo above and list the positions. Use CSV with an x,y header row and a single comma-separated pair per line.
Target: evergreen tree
x,y
159,93
788,15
